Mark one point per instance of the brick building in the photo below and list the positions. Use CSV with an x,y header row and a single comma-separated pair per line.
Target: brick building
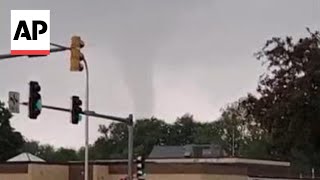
x,y
156,169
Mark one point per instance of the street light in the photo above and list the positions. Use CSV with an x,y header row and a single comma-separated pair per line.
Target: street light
x,y
75,65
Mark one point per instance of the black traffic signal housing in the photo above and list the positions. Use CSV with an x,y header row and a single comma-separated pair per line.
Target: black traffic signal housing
x,y
34,100
140,162
76,109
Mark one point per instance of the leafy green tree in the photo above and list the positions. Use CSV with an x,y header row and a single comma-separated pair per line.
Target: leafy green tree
x,y
114,140
101,149
209,133
183,130
232,137
148,133
65,155
287,108
11,141
47,152
236,134
98,150
256,148
239,130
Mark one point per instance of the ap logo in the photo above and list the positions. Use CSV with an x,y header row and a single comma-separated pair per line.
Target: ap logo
x,y
30,32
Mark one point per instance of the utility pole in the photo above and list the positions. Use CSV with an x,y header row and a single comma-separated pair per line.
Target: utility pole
x,y
233,141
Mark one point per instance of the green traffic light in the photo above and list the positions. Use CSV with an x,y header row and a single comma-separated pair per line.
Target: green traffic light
x,y
39,105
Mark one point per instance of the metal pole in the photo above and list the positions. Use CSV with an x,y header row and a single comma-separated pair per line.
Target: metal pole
x,y
87,113
130,147
7,56
86,159
113,118
233,141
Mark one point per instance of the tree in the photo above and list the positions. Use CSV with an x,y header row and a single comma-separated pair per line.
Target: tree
x,y
287,108
47,152
209,133
239,138
148,133
11,141
114,140
232,129
31,147
65,155
183,130
238,130
99,150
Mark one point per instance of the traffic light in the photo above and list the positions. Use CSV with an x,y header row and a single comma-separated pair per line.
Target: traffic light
x,y
140,167
34,100
76,110
76,55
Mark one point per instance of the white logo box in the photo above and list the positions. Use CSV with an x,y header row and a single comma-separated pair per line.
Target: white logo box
x,y
23,46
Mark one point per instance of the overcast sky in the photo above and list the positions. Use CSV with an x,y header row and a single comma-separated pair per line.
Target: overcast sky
x,y
163,58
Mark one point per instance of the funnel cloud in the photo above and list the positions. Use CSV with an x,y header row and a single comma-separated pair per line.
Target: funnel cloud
x,y
134,40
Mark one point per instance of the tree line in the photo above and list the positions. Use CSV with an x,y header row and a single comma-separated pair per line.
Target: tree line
x,y
228,132
281,120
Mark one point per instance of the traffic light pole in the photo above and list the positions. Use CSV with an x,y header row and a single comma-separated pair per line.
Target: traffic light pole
x,y
128,120
130,147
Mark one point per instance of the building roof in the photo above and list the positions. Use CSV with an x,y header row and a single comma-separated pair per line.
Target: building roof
x,y
191,150
216,161
223,160
25,157
168,152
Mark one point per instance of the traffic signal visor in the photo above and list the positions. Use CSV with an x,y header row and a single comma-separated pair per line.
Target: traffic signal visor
x,y
76,42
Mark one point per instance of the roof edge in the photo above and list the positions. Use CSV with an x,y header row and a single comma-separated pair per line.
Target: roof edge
x,y
221,161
